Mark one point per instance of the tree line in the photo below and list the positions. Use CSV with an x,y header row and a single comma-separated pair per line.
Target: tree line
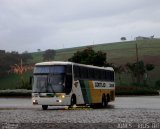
x,y
8,60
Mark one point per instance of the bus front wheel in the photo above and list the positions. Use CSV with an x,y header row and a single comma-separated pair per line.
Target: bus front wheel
x,y
73,100
44,107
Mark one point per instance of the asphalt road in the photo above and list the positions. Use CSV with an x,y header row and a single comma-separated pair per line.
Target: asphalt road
x,y
124,113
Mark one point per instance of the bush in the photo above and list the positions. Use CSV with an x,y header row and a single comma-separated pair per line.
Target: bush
x,y
131,90
25,86
158,84
16,93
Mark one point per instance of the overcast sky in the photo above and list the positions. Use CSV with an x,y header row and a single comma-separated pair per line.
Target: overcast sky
x,y
28,25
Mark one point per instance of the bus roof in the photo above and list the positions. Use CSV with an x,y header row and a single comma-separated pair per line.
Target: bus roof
x,y
53,63
70,63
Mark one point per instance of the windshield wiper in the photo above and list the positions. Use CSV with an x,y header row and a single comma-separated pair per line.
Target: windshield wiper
x,y
50,86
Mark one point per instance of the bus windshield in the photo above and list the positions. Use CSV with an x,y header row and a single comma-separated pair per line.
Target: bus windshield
x,y
49,79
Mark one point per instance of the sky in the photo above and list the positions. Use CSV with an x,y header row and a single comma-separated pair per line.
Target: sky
x,y
29,25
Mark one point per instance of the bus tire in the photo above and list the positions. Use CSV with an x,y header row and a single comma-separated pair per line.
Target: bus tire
x,y
108,98
73,100
104,101
44,107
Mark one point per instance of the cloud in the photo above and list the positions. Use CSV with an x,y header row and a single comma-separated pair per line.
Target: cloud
x,y
45,24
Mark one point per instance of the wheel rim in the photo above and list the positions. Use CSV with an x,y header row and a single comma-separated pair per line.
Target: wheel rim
x,y
103,103
72,101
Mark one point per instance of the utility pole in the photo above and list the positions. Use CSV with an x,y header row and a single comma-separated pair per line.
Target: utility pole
x,y
137,59
137,62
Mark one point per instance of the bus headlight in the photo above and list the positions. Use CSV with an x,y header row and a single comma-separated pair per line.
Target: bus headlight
x,y
35,101
59,101
60,96
63,96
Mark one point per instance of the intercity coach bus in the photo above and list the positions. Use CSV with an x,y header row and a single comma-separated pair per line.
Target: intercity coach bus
x,y
67,84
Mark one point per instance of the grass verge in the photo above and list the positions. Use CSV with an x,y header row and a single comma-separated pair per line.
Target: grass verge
x,y
15,93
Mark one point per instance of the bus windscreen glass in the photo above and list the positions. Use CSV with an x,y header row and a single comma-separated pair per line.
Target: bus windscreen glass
x,y
49,69
49,79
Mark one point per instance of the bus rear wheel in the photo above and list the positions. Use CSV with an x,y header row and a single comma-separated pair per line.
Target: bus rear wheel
x,y
44,107
104,102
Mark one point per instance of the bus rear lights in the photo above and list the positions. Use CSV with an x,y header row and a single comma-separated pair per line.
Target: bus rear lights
x,y
59,101
35,101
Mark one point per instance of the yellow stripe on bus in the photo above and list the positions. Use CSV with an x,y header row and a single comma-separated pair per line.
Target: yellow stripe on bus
x,y
96,94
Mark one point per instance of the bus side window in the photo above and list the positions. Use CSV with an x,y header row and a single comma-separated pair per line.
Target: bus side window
x,y
103,75
107,75
84,73
112,76
81,72
90,73
76,72
69,69
97,74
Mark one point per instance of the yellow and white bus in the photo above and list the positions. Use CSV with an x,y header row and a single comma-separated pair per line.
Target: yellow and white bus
x,y
67,84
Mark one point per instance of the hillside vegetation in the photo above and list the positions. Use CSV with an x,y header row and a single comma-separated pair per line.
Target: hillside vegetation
x,y
118,53
121,52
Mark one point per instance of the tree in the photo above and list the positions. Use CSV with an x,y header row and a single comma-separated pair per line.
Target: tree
x,y
90,57
49,55
139,70
119,70
149,67
7,59
20,69
38,50
123,38
25,56
11,58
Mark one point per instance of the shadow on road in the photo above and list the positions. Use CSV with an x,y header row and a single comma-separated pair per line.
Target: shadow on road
x,y
79,108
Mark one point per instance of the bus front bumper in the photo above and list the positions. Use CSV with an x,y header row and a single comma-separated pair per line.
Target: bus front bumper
x,y
57,101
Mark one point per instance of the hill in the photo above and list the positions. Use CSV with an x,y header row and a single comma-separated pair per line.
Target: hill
x,y
118,53
121,52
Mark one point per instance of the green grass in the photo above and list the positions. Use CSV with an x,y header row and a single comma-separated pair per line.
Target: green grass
x,y
117,51
9,82
13,81
37,57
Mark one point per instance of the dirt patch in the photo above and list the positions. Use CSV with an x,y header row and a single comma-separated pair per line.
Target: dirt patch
x,y
152,60
146,58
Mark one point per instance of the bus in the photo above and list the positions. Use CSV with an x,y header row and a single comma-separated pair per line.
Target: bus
x,y
58,83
